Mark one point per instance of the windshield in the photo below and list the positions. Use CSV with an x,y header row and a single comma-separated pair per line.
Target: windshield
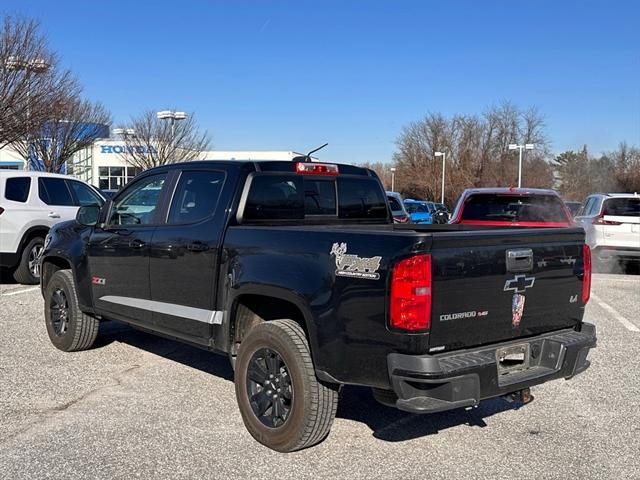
x,y
514,208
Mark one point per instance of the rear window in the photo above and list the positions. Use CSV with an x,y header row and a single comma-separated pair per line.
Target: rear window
x,y
17,189
512,208
622,207
294,197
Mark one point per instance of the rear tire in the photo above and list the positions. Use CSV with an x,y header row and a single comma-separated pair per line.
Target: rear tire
x,y
69,329
28,270
306,407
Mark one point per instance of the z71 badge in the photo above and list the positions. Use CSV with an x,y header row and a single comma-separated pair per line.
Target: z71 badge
x,y
348,265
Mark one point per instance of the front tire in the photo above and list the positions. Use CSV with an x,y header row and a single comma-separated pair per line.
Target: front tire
x,y
69,329
28,270
282,403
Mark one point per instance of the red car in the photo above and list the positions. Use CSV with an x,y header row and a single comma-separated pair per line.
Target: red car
x,y
518,207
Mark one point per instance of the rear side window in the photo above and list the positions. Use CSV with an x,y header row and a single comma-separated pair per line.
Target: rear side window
x,y
54,191
196,196
17,189
622,207
512,208
84,194
394,204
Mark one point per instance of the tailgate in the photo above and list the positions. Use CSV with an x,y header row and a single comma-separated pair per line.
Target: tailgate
x,y
480,296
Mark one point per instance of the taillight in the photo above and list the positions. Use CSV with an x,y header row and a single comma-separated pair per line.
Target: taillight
x,y
600,221
586,277
317,168
411,294
1,210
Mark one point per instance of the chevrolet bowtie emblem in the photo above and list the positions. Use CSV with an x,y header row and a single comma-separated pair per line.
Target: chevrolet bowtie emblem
x,y
519,284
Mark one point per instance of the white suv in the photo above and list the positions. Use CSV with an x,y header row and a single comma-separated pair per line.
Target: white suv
x,y
30,203
612,224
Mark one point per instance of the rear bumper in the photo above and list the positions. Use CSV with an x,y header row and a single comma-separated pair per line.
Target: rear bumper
x,y
434,383
610,253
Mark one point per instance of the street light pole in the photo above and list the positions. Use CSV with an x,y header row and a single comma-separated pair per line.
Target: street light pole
x,y
393,179
444,156
172,116
526,146
36,66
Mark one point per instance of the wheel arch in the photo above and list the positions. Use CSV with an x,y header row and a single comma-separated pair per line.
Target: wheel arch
x,y
250,306
50,265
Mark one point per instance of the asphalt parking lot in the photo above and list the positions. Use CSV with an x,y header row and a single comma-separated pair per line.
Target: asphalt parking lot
x,y
137,406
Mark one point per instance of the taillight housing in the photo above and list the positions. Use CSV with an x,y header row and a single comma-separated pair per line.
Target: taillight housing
x,y
410,306
600,221
314,168
586,276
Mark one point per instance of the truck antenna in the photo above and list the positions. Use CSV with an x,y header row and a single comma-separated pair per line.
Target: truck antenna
x,y
307,157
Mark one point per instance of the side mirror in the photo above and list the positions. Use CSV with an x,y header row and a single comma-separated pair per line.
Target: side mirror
x,y
88,215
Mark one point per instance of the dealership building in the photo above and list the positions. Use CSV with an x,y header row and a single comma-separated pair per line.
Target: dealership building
x,y
104,164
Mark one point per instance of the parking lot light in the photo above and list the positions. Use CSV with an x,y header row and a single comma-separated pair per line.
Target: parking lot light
x,y
526,146
444,156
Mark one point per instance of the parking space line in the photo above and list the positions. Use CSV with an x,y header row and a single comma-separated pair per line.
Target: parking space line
x,y
16,292
615,314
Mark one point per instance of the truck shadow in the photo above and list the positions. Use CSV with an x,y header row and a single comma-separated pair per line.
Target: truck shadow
x,y
392,425
356,403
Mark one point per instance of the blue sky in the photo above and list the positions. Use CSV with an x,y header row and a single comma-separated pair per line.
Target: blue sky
x,y
292,75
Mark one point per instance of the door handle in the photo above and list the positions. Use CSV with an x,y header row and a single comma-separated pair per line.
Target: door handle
x,y
53,215
197,247
136,243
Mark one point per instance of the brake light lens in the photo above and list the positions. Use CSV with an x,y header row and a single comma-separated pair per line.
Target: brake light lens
x,y
1,210
317,168
586,278
411,294
600,221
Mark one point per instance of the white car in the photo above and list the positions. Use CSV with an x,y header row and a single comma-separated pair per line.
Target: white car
x,y
612,224
30,203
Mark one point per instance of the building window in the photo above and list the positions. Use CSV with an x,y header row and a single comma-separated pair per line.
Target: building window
x,y
114,178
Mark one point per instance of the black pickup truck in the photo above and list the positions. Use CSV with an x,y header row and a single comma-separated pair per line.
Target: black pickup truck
x,y
296,271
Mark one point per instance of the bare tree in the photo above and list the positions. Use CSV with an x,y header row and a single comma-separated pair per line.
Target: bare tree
x,y
155,142
30,78
71,124
476,149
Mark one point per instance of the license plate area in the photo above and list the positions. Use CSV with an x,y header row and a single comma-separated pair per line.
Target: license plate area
x,y
513,358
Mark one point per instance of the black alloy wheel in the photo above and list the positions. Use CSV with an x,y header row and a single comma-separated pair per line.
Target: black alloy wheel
x,y
59,311
269,388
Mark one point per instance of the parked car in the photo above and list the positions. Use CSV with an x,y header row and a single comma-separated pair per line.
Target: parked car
x,y
30,203
573,207
234,259
517,207
400,214
109,193
612,224
419,211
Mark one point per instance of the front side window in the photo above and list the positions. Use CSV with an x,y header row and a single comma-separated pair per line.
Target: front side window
x,y
84,194
17,189
137,205
54,191
196,196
